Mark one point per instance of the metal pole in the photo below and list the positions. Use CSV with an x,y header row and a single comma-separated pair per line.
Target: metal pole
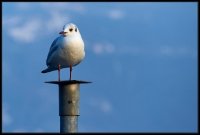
x,y
69,97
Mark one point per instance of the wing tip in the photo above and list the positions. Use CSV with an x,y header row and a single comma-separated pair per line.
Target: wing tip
x,y
44,71
49,69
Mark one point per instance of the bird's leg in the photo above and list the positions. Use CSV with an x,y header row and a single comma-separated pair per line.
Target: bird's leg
x,y
70,72
59,72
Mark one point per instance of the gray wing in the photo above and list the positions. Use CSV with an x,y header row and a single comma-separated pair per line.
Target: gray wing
x,y
53,48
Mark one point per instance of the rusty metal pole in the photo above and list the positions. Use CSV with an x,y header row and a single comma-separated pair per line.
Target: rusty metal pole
x,y
69,97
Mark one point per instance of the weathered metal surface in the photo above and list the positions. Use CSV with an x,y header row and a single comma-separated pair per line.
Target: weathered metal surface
x,y
69,124
69,96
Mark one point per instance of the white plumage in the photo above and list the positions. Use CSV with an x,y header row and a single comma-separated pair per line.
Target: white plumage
x,y
67,50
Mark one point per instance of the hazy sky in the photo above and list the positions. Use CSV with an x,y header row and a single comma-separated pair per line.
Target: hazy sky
x,y
141,58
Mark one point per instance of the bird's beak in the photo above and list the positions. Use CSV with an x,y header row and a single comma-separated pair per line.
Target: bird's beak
x,y
62,32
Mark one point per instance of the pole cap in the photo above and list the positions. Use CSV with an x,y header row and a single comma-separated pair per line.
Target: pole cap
x,y
65,82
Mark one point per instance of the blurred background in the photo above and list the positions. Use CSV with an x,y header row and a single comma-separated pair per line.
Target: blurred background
x,y
141,58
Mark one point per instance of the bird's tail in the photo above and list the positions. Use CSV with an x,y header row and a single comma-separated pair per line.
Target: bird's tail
x,y
48,70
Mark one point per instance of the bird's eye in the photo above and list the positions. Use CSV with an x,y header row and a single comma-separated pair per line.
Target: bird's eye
x,y
71,30
76,29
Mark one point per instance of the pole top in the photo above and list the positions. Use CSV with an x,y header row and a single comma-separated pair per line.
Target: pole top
x,y
66,82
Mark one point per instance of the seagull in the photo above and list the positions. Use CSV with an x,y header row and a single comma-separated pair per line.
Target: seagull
x,y
66,51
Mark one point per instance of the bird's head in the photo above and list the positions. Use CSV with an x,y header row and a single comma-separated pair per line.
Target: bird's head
x,y
69,30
